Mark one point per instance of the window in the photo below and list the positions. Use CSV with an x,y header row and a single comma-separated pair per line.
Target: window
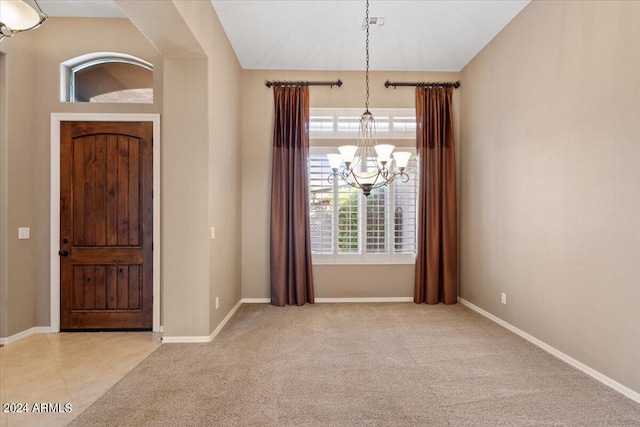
x,y
347,227
328,123
107,77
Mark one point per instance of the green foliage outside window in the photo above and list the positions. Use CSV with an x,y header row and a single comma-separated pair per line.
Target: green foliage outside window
x,y
348,221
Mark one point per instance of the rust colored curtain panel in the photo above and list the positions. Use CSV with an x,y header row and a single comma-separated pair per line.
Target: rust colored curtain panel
x,y
436,277
291,275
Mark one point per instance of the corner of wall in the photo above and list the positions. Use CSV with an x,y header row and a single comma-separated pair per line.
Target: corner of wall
x,y
3,197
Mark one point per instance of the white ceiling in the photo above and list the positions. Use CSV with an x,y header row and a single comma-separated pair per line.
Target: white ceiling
x,y
326,34
81,8
418,35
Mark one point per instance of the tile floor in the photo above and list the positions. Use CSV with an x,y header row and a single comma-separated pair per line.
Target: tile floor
x,y
75,368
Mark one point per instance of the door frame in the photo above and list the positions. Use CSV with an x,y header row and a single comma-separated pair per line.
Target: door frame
x,y
54,269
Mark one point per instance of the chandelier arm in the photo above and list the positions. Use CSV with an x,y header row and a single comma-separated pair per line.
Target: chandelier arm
x,y
382,184
379,182
356,175
387,181
390,179
360,185
355,183
344,175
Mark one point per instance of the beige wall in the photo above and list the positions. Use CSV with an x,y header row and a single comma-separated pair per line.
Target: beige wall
x,y
257,129
222,159
3,198
17,276
33,62
550,201
185,271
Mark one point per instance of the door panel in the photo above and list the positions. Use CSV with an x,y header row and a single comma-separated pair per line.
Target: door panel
x,y
106,225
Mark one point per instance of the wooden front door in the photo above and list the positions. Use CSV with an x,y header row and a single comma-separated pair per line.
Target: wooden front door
x,y
106,225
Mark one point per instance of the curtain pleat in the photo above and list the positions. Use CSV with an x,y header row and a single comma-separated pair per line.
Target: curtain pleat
x,y
436,278
290,240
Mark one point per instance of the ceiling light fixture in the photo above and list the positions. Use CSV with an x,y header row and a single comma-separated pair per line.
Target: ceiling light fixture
x,y
17,16
368,165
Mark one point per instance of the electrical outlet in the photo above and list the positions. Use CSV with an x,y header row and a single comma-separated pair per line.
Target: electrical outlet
x,y
217,303
504,298
213,233
24,233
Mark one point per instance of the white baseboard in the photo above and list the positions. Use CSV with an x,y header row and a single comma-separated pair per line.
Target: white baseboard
x,y
335,300
365,299
225,320
24,334
256,300
633,395
185,339
196,339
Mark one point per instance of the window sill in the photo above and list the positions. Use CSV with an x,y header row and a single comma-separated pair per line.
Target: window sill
x,y
367,263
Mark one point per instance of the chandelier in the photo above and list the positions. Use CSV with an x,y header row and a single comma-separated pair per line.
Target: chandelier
x,y
368,165
17,16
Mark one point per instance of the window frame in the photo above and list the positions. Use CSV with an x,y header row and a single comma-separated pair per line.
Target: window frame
x,y
70,67
335,133
337,258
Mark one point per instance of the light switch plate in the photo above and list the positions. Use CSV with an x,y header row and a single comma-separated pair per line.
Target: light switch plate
x,y
213,233
24,233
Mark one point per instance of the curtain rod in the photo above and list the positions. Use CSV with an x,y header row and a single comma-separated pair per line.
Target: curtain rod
x,y
454,85
270,83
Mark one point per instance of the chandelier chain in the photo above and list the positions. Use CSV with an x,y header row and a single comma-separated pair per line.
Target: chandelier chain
x,y
367,50
368,164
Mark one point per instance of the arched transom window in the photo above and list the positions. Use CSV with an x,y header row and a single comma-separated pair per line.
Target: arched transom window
x,y
107,77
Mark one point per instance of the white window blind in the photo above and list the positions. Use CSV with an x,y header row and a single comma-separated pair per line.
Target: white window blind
x,y
348,124
328,123
347,227
320,205
404,124
321,124
377,218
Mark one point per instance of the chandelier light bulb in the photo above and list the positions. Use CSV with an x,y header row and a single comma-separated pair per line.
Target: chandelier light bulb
x,y
384,152
402,159
17,16
348,152
335,160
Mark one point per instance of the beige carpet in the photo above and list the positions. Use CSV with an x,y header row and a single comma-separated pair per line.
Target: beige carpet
x,y
397,364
